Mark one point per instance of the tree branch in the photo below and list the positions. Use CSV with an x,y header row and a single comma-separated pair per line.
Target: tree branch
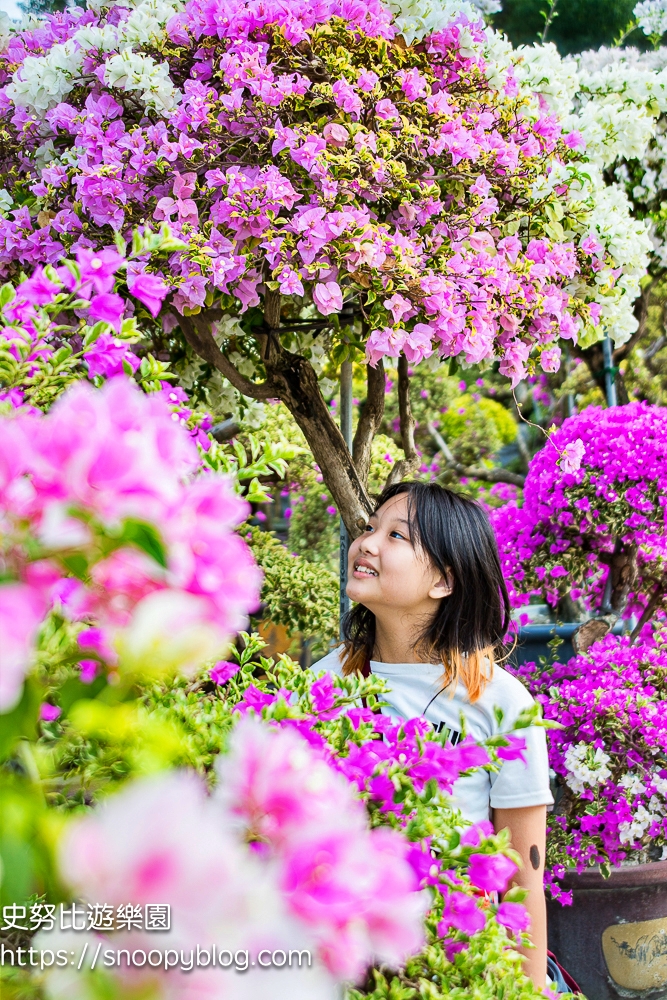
x,y
294,381
197,332
473,471
411,460
654,600
640,310
370,418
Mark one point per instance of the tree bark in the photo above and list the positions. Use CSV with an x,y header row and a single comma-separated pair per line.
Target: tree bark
x,y
197,332
297,386
292,379
407,421
370,418
623,569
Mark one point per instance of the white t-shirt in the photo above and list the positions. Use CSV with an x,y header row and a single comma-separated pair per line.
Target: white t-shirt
x,y
413,685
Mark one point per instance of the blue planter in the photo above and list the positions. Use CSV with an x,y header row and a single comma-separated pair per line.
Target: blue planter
x,y
533,639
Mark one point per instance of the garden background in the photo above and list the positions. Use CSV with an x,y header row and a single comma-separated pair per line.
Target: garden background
x,y
260,259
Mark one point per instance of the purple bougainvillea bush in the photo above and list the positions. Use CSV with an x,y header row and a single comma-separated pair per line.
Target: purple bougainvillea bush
x,y
594,499
610,757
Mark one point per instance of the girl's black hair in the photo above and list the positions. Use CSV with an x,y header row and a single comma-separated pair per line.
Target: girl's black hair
x,y
454,533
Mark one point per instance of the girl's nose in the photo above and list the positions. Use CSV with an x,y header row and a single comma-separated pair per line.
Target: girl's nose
x,y
368,544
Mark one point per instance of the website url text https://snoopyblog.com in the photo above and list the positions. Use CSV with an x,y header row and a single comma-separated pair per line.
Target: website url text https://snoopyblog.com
x,y
89,956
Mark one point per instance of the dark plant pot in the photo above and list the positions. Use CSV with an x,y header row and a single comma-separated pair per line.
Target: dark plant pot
x,y
613,939
532,641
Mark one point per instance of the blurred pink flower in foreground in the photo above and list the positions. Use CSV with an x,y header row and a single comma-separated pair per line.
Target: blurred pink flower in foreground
x,y
323,881
114,460
163,840
21,611
353,887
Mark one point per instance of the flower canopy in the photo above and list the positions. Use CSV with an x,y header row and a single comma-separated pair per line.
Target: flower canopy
x,y
306,150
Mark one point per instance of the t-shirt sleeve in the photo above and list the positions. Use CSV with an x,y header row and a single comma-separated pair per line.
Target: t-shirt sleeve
x,y
518,784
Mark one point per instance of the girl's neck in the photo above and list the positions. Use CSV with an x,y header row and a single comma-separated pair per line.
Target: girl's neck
x,y
395,640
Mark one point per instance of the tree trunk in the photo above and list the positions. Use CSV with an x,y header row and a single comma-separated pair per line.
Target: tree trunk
x,y
370,418
292,379
296,382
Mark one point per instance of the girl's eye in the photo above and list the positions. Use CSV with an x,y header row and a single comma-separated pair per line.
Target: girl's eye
x,y
369,527
397,534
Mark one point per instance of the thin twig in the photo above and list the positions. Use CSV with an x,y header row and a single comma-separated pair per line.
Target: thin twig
x,y
407,422
474,472
549,17
655,599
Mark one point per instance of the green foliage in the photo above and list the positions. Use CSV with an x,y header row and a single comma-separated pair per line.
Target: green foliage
x,y
298,595
248,459
313,530
475,428
579,24
384,453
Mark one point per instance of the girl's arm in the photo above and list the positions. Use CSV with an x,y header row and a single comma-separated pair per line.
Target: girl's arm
x,y
527,829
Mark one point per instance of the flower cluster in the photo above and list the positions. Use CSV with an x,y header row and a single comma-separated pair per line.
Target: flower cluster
x,y
313,155
652,16
66,321
103,517
396,776
319,878
593,495
353,887
610,755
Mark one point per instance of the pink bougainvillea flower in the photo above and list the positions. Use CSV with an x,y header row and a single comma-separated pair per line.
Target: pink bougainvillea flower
x,y
514,916
49,713
223,671
572,457
358,894
271,782
386,110
336,134
109,308
98,267
88,670
491,872
22,609
150,289
462,913
108,356
328,297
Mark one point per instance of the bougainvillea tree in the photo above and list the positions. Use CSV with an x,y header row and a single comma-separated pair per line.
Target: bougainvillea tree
x,y
321,177
592,523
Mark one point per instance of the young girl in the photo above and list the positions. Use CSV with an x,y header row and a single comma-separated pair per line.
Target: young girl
x,y
432,611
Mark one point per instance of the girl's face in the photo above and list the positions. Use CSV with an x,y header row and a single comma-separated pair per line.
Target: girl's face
x,y
385,569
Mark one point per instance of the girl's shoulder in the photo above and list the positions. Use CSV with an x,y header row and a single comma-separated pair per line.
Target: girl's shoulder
x,y
505,691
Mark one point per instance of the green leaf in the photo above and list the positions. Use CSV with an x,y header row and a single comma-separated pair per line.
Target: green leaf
x,y
453,366
516,894
77,564
74,690
21,721
94,332
7,293
120,244
256,493
146,538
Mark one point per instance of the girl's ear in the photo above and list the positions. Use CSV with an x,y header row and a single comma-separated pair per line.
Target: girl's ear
x,y
443,587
